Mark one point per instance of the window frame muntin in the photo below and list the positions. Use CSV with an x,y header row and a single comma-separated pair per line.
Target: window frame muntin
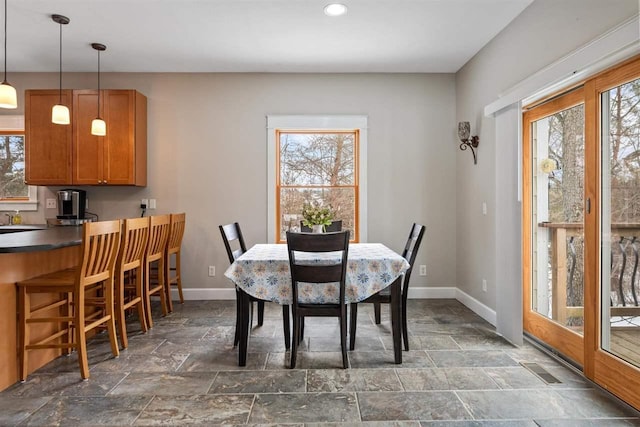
x,y
356,179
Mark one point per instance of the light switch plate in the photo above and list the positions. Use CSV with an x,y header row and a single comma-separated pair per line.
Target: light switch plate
x,y
152,203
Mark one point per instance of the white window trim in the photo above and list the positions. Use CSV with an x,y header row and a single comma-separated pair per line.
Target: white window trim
x,y
320,122
13,123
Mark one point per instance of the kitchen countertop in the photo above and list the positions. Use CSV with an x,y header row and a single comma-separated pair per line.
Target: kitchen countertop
x,y
39,239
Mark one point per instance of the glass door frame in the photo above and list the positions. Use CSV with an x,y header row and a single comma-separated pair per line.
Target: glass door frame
x,y
566,341
605,369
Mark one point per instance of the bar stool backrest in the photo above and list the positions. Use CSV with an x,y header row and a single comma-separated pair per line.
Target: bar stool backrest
x,y
158,236
177,224
100,245
135,237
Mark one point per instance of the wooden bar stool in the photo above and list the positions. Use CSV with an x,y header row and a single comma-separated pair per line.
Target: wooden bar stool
x,y
174,243
86,301
129,274
158,237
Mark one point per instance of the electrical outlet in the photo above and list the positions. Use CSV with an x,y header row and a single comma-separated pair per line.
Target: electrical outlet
x,y
484,285
484,208
52,203
212,270
152,203
423,270
145,202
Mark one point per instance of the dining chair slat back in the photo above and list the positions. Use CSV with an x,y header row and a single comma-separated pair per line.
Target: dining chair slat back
x,y
409,253
304,271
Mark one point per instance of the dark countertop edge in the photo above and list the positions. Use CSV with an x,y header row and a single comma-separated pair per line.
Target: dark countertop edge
x,y
40,240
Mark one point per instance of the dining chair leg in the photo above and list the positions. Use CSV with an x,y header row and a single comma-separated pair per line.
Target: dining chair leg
x,y
244,329
301,330
353,308
376,312
405,329
396,321
296,339
260,313
343,336
286,326
236,336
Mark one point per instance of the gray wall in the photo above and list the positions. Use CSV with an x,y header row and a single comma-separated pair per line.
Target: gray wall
x,y
207,156
542,34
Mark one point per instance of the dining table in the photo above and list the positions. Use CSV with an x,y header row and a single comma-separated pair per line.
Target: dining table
x,y
263,272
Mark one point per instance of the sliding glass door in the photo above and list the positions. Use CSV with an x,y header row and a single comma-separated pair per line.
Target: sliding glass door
x,y
581,227
554,240
615,107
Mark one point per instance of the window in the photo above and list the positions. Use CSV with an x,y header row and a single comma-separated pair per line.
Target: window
x,y
14,193
316,160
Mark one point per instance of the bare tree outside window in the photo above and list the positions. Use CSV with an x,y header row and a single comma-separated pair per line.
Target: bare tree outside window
x,y
317,168
12,185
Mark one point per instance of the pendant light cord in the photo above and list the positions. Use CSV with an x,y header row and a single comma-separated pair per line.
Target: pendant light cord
x,y
5,42
60,65
98,84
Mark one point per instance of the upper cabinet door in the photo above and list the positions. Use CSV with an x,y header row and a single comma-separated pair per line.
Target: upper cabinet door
x,y
87,148
47,145
119,144
119,157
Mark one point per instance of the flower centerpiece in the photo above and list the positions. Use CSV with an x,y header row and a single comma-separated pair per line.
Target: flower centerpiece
x,y
316,216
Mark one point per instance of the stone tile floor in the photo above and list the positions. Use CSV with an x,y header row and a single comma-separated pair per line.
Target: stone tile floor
x,y
184,372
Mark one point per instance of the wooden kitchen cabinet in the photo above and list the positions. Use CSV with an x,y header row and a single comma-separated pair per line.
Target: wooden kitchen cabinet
x,y
119,157
79,158
47,148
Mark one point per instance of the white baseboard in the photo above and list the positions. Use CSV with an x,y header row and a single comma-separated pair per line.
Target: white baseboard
x,y
200,294
441,292
477,307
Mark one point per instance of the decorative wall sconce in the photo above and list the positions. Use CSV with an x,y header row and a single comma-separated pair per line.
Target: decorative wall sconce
x,y
468,141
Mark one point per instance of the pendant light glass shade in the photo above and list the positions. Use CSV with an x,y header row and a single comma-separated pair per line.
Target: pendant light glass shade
x,y
98,127
60,113
8,95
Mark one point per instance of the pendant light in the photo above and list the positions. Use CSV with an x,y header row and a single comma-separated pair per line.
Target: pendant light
x,y
60,113
8,96
98,126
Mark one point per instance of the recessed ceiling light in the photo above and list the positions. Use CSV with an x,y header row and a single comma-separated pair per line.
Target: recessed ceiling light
x,y
335,9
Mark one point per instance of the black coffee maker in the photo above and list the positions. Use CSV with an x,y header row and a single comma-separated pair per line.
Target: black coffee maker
x,y
71,203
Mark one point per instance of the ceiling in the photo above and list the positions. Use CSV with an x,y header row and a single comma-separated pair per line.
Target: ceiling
x,y
397,36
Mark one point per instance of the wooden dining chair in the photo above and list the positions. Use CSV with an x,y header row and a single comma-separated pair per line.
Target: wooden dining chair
x,y
334,226
129,289
158,237
232,237
309,273
86,299
174,244
384,296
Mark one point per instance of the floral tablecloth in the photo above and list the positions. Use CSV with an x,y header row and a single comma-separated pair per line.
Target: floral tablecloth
x,y
263,272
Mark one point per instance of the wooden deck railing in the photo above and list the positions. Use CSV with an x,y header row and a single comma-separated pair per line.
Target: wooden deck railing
x,y
625,268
